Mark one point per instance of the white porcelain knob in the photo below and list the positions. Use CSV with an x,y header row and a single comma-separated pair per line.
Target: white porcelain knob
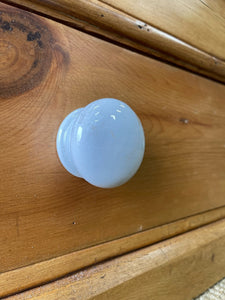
x,y
103,143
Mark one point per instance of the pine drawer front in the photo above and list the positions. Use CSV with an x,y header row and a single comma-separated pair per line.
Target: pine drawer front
x,y
48,70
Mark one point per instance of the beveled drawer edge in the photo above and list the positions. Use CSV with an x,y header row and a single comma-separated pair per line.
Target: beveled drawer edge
x,y
98,18
39,273
181,268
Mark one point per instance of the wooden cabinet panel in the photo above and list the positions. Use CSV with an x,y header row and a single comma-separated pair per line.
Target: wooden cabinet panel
x,y
198,23
178,33
46,71
180,268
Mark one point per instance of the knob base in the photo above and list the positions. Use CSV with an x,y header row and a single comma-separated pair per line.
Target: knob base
x,y
63,144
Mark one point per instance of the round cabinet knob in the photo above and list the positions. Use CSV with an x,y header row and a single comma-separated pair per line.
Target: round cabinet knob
x,y
103,143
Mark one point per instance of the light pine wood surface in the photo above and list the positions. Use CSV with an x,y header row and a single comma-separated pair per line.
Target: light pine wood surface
x,y
134,24
199,23
47,70
46,212
37,274
180,268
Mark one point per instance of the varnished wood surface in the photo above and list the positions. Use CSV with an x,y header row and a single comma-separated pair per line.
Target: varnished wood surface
x,y
44,211
199,23
180,268
52,269
124,25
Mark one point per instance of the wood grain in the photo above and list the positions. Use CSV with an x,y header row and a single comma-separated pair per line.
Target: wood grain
x,y
127,28
177,269
44,211
52,269
199,23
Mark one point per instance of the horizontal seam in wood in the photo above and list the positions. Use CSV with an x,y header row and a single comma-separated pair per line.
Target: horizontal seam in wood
x,y
193,68
163,31
108,260
135,234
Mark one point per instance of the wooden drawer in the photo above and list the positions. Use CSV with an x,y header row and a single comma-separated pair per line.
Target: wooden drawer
x,y
47,70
